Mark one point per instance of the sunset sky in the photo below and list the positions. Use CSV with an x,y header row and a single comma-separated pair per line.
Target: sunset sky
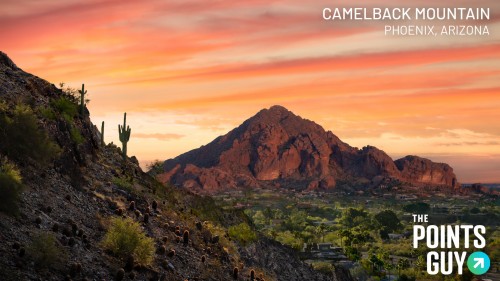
x,y
187,71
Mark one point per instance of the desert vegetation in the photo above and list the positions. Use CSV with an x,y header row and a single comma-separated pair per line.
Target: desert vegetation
x,y
125,238
374,233
11,186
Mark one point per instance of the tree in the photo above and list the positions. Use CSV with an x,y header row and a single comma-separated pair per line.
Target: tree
x,y
278,214
403,264
376,262
268,214
384,234
417,208
389,220
308,235
259,218
388,266
420,262
352,253
352,217
320,231
296,221
344,233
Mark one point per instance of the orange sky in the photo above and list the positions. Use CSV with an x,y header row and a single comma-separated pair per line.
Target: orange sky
x,y
186,71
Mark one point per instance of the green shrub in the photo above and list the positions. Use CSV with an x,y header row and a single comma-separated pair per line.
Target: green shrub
x,y
123,183
388,220
155,168
125,238
76,136
11,187
288,238
323,266
242,233
47,113
20,136
46,251
67,108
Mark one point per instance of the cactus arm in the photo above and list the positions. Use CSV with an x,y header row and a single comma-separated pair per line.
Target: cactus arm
x,y
124,134
82,98
102,134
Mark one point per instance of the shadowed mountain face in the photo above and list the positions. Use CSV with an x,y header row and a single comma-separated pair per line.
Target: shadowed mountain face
x,y
276,146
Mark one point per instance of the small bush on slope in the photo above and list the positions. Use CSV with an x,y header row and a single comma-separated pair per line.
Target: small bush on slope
x,y
125,237
242,233
45,251
20,136
11,187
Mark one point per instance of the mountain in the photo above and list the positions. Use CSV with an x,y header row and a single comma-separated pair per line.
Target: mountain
x,y
62,190
276,147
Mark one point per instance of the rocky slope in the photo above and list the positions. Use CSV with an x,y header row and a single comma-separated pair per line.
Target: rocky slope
x,y
74,186
277,147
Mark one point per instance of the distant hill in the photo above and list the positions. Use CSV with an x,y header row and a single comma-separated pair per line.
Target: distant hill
x,y
486,188
276,147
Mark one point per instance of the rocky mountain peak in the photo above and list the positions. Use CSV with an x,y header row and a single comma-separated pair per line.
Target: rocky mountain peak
x,y
275,113
276,146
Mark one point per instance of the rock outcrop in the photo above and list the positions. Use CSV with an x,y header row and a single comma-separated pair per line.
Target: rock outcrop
x,y
276,146
421,170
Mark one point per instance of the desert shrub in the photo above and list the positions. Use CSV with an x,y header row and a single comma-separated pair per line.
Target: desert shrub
x,y
76,136
242,233
322,266
125,238
67,108
155,168
20,136
123,183
217,230
45,251
288,238
47,113
11,187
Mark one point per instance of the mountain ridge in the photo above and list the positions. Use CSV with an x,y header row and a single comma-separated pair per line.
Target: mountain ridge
x,y
275,145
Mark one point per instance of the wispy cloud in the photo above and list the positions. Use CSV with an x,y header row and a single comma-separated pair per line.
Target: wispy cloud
x,y
158,136
470,143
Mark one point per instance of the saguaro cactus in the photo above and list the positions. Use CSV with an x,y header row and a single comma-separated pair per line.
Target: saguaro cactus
x,y
124,133
82,99
102,134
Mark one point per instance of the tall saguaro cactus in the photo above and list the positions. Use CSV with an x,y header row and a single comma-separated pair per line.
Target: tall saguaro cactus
x,y
82,99
102,134
124,133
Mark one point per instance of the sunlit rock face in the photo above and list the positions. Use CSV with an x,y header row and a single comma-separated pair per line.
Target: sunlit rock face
x,y
276,145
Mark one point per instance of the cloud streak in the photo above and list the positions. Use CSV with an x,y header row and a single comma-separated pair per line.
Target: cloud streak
x,y
159,136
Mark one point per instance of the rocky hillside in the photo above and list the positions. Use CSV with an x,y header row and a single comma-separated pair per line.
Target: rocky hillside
x,y
73,209
276,147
